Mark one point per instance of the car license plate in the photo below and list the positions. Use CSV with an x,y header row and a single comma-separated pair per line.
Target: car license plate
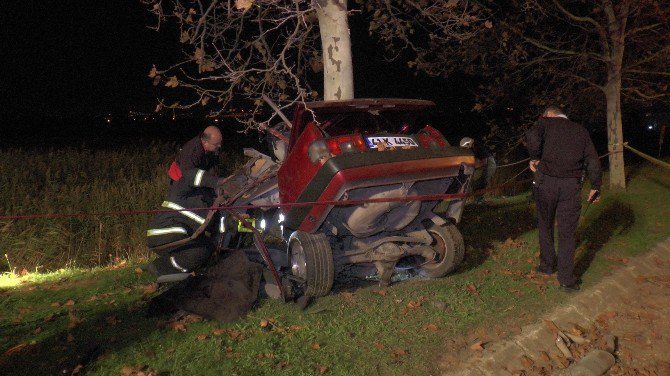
x,y
392,141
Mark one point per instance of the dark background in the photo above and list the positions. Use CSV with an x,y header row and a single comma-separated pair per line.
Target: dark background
x,y
73,69
71,66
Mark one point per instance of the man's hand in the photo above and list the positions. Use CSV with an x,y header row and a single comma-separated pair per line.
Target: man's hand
x,y
533,165
594,196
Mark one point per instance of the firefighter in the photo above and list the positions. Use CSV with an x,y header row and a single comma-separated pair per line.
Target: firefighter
x,y
201,152
195,189
560,151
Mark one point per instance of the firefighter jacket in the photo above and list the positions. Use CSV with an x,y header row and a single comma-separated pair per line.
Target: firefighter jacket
x,y
192,156
196,189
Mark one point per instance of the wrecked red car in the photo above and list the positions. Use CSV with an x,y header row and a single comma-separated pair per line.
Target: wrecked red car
x,y
366,149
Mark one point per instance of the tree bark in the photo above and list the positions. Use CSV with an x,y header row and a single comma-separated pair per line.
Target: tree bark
x,y
615,134
338,74
616,30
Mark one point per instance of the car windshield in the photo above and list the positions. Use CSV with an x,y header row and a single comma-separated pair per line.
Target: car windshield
x,y
370,122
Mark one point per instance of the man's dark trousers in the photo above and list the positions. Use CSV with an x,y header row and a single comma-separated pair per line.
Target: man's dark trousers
x,y
558,198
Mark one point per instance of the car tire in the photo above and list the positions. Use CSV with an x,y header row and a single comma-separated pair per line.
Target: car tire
x,y
311,259
449,245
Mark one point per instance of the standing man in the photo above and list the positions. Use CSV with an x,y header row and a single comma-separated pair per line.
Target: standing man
x,y
560,150
201,152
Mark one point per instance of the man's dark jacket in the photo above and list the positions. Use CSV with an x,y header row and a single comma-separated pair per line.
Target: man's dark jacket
x,y
192,156
564,149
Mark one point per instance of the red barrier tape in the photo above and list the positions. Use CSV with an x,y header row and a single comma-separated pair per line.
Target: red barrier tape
x,y
444,196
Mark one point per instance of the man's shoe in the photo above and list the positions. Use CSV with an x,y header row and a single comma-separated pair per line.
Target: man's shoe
x,y
542,271
569,288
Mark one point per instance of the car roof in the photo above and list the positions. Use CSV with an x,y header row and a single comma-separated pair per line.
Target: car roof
x,y
369,104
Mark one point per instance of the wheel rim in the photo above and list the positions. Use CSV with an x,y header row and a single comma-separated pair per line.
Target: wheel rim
x,y
298,263
440,247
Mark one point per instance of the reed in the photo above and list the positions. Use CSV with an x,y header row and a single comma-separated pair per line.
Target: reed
x,y
70,180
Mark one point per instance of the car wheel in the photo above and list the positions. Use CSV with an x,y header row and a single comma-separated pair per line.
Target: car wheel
x,y
311,260
450,248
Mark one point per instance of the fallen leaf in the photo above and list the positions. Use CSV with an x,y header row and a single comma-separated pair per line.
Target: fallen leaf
x,y
322,370
55,304
414,304
15,349
127,371
606,316
69,302
264,323
37,330
315,346
177,326
218,332
544,356
551,326
77,370
477,346
378,345
526,361
201,337
149,289
381,292
472,289
70,337
397,353
234,334
49,317
431,327
139,271
488,24
73,320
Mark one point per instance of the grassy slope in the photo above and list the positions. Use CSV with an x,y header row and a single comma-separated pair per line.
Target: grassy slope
x,y
409,328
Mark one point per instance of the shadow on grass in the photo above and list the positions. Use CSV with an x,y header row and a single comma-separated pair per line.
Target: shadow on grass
x,y
659,181
482,225
99,334
616,218
632,171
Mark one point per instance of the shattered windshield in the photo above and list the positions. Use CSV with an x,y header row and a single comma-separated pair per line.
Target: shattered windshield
x,y
370,122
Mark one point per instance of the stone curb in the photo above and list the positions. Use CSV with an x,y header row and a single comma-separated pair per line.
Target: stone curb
x,y
504,357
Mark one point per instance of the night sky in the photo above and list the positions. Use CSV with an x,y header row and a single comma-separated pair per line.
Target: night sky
x,y
78,57
91,57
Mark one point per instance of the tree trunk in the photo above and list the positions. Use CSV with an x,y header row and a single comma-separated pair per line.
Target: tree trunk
x,y
338,74
615,134
616,28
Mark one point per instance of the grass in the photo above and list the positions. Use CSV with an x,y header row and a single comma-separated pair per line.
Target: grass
x,y
70,181
416,327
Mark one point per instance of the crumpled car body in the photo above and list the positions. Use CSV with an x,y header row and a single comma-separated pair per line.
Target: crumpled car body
x,y
359,150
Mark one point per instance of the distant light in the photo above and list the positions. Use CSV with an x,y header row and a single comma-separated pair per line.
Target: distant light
x,y
281,218
109,120
216,120
263,223
650,127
